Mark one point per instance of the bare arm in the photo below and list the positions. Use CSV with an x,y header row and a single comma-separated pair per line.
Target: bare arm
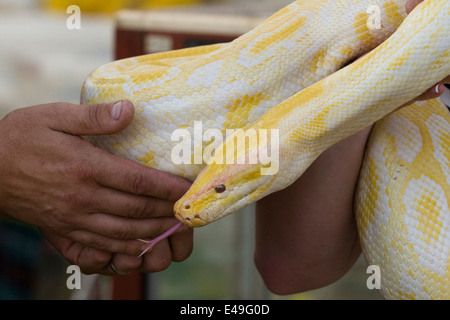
x,y
306,234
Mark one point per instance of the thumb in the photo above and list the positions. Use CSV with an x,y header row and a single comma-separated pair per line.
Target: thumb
x,y
96,119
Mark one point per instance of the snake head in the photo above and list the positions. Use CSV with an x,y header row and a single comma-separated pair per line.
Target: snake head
x,y
237,175
220,190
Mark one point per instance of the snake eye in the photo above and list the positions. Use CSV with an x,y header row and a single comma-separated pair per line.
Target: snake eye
x,y
220,188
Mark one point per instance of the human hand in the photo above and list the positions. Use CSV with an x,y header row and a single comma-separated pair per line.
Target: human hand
x,y
87,202
177,247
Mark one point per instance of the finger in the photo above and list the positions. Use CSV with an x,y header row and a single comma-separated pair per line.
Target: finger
x,y
158,259
182,244
432,93
97,119
131,206
125,264
119,228
92,261
89,260
134,178
411,4
68,248
100,242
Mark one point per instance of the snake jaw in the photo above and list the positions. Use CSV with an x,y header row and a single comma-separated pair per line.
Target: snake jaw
x,y
199,207
184,212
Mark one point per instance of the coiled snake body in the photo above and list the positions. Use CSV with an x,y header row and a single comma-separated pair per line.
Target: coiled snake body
x,y
287,75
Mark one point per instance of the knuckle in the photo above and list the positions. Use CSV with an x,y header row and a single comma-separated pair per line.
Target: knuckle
x,y
94,264
175,188
159,263
139,184
141,208
171,189
64,220
58,221
99,259
124,231
81,237
70,256
94,117
97,242
132,249
90,240
83,171
127,263
78,170
167,193
76,200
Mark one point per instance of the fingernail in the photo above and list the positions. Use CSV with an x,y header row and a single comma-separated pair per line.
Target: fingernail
x,y
437,88
116,110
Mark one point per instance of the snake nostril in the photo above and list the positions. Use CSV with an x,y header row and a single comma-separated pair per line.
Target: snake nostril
x,y
187,207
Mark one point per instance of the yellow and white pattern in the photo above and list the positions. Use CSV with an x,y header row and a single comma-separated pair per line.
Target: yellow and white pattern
x,y
403,202
287,75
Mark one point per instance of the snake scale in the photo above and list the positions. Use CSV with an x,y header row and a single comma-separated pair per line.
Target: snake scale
x,y
292,75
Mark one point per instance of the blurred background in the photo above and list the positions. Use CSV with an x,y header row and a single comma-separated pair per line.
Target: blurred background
x,y
42,61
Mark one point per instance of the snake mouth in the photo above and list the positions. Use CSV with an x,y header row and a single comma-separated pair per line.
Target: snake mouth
x,y
184,213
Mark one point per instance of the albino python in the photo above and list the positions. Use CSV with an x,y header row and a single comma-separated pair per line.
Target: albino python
x,y
292,75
